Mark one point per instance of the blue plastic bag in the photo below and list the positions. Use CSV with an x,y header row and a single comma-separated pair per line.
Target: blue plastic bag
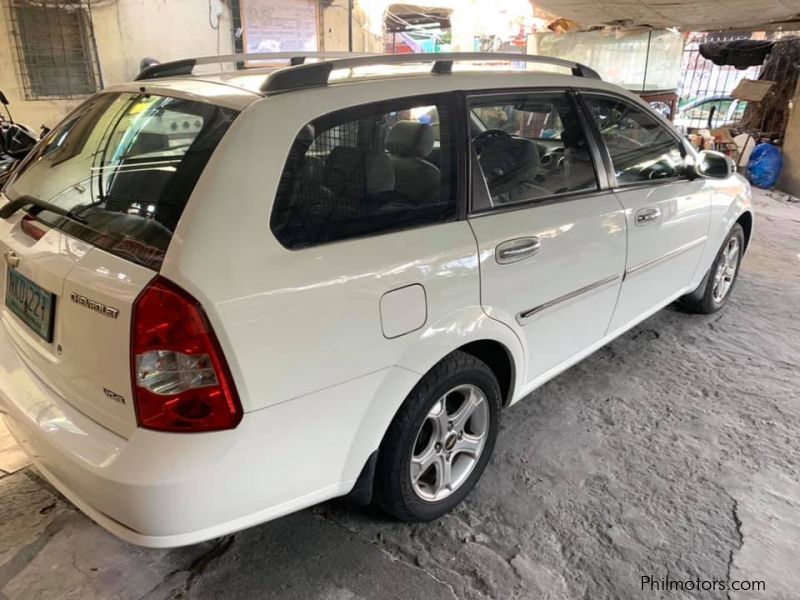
x,y
765,166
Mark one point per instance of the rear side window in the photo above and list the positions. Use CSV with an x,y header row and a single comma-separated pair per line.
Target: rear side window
x,y
366,171
125,165
642,149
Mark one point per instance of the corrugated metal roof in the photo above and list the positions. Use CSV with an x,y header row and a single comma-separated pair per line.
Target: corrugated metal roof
x,y
694,15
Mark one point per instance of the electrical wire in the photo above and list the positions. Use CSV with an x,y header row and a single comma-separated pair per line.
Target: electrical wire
x,y
216,27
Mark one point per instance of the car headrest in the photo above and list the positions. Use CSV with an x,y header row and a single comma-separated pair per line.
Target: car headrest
x,y
364,172
410,139
507,161
306,134
312,170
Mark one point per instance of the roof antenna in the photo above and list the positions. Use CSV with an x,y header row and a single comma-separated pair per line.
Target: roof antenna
x,y
148,61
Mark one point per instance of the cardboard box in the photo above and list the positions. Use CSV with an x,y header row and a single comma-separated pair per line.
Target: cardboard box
x,y
752,91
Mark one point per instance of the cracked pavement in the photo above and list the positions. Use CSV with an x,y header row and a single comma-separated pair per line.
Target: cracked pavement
x,y
672,451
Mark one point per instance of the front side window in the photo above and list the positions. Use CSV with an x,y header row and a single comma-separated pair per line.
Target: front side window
x,y
366,171
124,165
530,147
642,149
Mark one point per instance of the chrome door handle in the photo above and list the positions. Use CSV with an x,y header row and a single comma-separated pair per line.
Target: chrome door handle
x,y
647,215
517,249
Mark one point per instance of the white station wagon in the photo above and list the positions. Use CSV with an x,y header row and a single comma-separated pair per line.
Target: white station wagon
x,y
231,296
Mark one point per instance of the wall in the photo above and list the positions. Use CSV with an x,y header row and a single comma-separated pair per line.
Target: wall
x,y
126,31
790,177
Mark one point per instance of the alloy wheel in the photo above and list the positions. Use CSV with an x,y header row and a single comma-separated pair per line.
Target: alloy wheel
x,y
449,442
726,270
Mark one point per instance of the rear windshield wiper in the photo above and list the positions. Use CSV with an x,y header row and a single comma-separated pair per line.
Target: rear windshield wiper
x,y
23,201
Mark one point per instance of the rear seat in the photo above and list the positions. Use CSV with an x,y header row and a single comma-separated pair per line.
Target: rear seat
x,y
408,143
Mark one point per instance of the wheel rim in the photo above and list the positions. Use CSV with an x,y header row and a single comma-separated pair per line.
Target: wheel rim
x,y
449,442
726,270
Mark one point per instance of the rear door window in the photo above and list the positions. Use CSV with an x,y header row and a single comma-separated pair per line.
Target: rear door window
x,y
530,146
125,165
368,170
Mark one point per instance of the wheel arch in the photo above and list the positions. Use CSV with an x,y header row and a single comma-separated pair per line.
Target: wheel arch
x,y
497,356
746,221
499,359
470,331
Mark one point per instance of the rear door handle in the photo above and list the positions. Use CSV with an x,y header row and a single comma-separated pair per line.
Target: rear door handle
x,y
517,249
647,215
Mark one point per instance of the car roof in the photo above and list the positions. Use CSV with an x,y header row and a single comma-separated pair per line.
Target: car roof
x,y
200,89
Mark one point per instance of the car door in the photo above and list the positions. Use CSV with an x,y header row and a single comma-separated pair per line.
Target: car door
x,y
551,237
667,211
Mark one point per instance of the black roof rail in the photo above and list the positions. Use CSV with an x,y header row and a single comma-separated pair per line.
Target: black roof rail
x,y
185,66
317,74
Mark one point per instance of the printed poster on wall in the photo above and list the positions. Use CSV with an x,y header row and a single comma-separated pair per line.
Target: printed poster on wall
x,y
279,25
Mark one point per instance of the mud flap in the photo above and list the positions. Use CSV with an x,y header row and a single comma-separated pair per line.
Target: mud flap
x,y
361,493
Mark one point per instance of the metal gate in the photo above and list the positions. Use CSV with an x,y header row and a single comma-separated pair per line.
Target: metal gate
x,y
706,88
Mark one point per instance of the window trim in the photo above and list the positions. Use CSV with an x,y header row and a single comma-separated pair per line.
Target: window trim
x,y
460,111
582,96
460,191
600,168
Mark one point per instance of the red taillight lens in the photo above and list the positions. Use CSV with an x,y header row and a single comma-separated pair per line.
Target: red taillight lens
x,y
30,227
181,381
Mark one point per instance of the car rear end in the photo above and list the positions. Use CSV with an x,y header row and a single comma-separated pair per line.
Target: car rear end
x,y
111,376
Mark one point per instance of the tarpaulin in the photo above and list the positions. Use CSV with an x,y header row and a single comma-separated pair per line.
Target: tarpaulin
x,y
739,53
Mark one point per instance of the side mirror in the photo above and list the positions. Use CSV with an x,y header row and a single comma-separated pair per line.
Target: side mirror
x,y
3,99
18,141
714,165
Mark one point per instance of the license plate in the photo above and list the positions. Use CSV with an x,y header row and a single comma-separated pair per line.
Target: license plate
x,y
30,303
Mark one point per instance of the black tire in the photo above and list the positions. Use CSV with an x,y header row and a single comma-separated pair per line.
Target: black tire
x,y
702,300
394,491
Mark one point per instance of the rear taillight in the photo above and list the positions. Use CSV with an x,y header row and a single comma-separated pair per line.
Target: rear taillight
x,y
181,381
31,228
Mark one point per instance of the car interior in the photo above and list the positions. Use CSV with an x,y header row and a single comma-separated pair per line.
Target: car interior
x,y
531,148
377,172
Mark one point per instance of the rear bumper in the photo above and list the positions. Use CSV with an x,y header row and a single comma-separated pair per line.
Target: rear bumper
x,y
155,507
165,490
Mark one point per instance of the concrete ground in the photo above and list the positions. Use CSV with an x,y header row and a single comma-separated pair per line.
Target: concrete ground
x,y
672,452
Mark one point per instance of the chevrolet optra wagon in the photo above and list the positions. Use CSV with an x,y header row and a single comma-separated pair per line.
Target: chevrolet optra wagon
x,y
230,296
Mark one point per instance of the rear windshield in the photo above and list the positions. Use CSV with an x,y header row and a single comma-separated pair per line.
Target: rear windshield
x,y
125,165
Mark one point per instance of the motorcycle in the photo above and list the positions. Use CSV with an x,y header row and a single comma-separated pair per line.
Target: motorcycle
x,y
16,142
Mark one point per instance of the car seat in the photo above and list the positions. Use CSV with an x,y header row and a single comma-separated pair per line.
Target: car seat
x,y
416,179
